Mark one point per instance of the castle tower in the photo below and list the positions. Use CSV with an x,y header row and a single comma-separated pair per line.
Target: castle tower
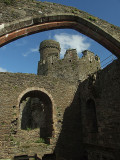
x,y
71,54
91,57
49,53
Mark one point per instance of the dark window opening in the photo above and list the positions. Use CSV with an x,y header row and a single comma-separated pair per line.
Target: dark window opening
x,y
91,119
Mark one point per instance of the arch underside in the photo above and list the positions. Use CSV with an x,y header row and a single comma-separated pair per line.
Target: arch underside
x,y
56,22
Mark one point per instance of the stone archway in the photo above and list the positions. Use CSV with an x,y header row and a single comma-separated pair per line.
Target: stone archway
x,y
101,31
36,112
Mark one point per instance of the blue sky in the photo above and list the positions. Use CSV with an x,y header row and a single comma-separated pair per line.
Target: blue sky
x,y
22,55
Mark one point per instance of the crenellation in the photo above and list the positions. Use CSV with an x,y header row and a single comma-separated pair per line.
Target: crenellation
x,y
49,51
90,56
71,54
49,54
50,63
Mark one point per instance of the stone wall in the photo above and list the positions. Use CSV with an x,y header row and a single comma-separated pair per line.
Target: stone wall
x,y
103,89
14,89
73,68
84,118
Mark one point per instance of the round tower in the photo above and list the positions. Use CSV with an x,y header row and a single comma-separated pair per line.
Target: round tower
x,y
49,54
49,51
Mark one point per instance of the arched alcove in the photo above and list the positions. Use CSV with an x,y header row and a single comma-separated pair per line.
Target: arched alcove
x,y
36,111
91,118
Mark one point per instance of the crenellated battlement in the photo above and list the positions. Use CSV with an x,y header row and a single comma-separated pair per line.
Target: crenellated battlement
x,y
71,54
49,44
71,67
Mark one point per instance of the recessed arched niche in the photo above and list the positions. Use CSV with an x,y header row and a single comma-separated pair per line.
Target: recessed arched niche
x,y
91,118
36,113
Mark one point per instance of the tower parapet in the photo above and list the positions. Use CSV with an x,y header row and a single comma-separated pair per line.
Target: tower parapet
x,y
49,51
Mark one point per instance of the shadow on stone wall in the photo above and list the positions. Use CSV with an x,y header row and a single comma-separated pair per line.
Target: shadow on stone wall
x,y
69,145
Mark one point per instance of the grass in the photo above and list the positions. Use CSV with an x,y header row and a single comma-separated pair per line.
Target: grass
x,y
40,140
29,129
92,18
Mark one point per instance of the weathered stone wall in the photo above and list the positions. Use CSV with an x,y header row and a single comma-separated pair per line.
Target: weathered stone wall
x,y
13,87
104,90
74,68
76,134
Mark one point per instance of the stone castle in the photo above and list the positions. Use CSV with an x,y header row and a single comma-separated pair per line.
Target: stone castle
x,y
68,111
71,68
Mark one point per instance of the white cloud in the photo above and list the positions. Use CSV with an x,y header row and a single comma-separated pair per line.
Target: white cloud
x,y
72,41
32,50
3,70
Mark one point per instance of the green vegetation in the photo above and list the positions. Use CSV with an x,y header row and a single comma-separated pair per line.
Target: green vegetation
x,y
40,140
15,87
75,11
28,129
112,26
18,143
2,123
11,138
14,114
10,2
91,18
